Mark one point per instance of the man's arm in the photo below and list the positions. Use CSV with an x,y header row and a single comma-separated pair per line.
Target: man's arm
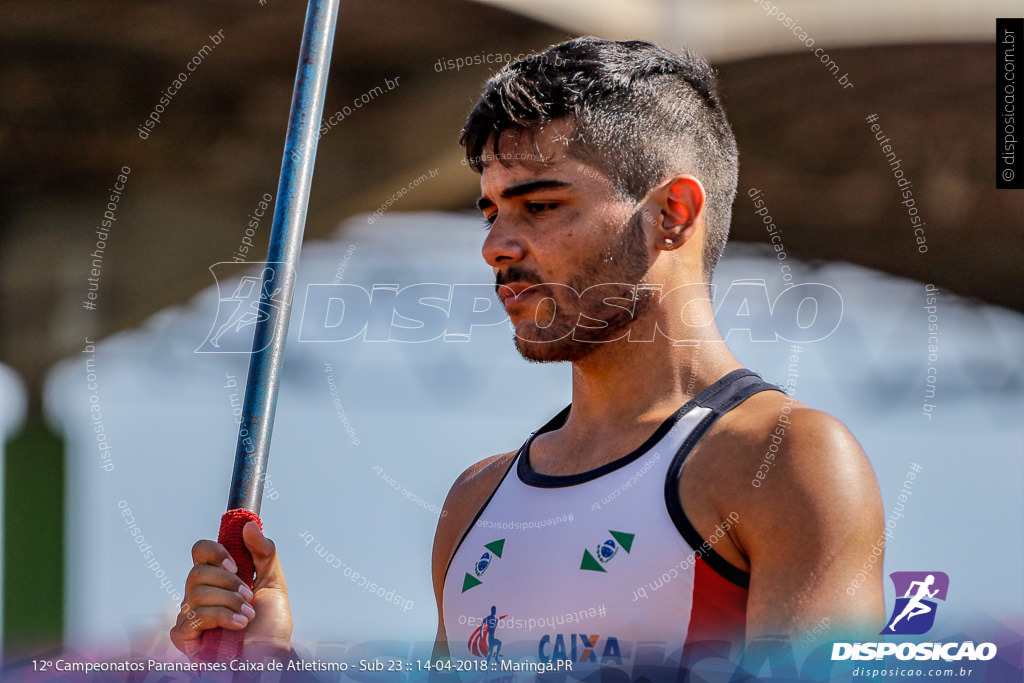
x,y
807,532
467,495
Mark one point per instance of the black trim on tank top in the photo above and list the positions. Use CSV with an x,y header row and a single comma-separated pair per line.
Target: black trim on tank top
x,y
531,477
730,391
455,550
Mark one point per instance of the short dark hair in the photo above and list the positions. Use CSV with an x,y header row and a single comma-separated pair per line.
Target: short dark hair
x,y
640,113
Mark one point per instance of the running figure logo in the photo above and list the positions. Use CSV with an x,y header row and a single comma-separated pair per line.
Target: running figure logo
x,y
482,641
916,592
238,313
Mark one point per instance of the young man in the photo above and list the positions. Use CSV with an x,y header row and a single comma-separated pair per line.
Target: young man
x,y
637,515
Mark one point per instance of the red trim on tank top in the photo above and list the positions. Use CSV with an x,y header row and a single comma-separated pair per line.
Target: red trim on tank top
x,y
719,609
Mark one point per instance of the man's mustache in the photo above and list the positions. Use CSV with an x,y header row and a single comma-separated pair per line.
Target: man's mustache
x,y
515,274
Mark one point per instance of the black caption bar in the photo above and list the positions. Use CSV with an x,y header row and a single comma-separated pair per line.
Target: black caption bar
x,y
1009,153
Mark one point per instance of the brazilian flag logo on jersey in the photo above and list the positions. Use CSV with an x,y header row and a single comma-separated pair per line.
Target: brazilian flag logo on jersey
x,y
491,550
607,550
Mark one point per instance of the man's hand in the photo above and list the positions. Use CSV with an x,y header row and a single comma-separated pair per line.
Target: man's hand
x,y
216,598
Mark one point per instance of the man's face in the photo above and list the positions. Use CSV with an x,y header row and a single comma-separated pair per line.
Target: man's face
x,y
557,229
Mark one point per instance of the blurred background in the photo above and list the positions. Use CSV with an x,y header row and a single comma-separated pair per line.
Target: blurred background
x,y
370,435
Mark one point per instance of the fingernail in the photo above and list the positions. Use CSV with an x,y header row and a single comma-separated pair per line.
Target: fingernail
x,y
241,619
244,591
248,611
230,565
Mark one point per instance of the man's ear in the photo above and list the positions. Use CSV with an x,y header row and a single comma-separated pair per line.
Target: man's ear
x,y
681,200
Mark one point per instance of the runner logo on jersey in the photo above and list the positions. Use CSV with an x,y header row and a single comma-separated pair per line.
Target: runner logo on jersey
x,y
482,642
914,611
605,551
491,550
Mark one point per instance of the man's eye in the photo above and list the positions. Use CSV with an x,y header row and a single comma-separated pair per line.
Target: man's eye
x,y
489,221
540,207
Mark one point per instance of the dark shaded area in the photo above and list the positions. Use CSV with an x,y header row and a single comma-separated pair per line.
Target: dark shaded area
x,y
33,590
828,186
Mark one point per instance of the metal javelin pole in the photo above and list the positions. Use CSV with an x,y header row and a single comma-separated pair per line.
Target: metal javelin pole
x,y
264,379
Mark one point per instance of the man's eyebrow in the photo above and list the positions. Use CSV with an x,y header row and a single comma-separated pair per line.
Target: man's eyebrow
x,y
521,189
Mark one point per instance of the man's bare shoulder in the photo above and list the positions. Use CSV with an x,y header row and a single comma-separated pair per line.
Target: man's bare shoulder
x,y
810,473
780,464
465,499
756,434
810,514
484,474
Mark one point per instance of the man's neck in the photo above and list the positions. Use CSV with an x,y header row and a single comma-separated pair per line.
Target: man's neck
x,y
622,392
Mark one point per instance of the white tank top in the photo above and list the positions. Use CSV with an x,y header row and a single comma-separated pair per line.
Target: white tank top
x,y
600,568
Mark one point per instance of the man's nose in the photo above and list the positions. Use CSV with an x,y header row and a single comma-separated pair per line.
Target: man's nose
x,y
502,246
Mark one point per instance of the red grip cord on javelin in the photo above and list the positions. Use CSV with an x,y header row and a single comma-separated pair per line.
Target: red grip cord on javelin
x,y
221,645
